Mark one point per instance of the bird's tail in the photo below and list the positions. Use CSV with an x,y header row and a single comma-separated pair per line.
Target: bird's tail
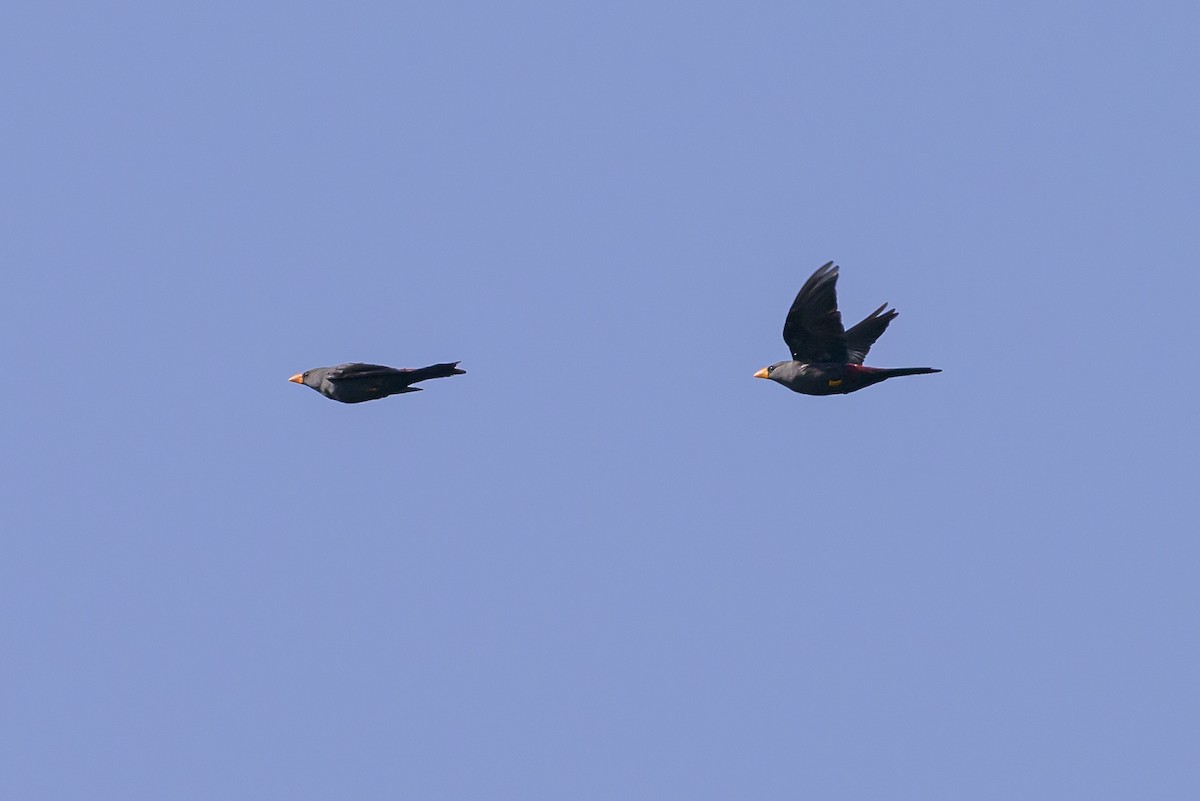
x,y
435,371
892,372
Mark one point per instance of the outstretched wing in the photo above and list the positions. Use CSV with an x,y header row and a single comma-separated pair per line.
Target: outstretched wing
x,y
813,329
861,337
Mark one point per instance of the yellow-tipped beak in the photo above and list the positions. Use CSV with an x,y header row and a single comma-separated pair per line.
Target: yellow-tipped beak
x,y
298,378
762,373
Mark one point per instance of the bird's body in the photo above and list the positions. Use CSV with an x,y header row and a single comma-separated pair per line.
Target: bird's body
x,y
831,378
357,382
826,358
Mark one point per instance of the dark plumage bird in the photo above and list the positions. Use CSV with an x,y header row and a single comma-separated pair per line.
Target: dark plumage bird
x,y
826,358
355,383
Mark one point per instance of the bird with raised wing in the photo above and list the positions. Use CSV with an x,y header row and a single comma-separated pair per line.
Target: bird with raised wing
x,y
826,358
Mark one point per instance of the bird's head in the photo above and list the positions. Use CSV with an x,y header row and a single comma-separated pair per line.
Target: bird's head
x,y
779,371
311,378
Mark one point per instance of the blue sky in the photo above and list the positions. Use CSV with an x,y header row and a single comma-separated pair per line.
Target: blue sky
x,y
606,563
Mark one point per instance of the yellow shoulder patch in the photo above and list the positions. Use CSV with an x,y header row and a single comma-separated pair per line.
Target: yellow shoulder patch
x,y
835,382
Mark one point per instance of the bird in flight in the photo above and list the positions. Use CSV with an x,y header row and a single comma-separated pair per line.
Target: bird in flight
x,y
826,358
355,383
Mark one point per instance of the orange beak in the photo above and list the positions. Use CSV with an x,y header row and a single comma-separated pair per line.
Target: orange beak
x,y
298,378
762,373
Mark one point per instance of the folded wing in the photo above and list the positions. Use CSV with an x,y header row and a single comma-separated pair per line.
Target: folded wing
x,y
344,372
392,375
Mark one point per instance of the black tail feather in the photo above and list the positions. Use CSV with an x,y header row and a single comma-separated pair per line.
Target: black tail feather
x,y
434,371
892,372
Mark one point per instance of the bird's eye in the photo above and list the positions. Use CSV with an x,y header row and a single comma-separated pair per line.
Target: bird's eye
x,y
771,369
